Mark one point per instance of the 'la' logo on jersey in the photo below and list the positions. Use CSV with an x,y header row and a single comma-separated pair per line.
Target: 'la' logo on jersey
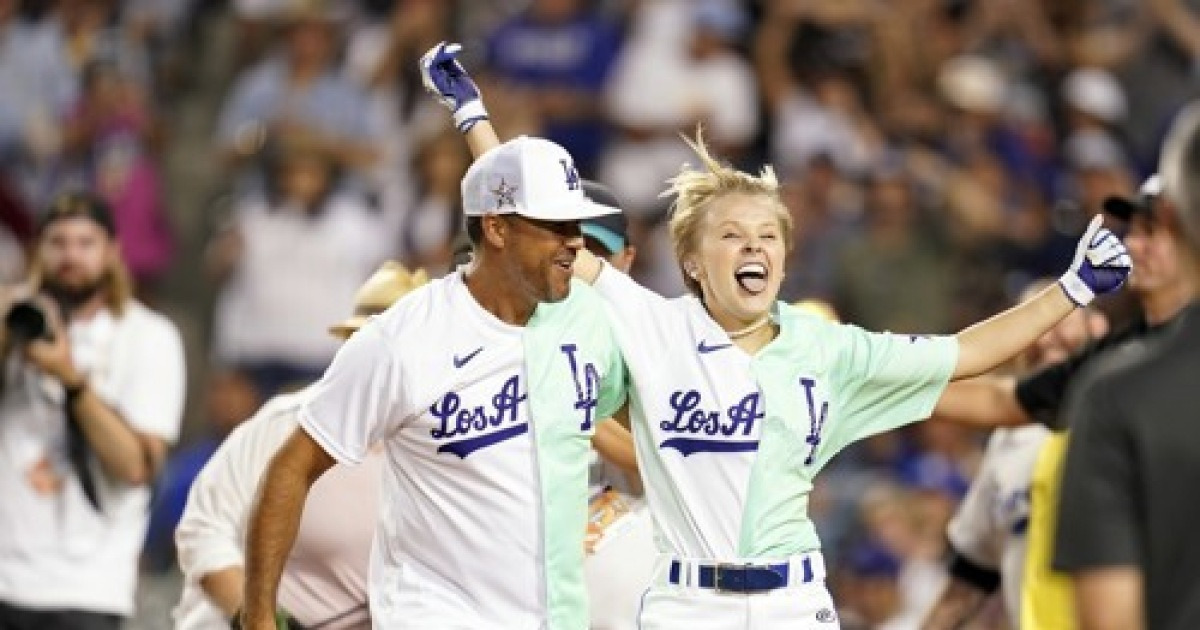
x,y
816,419
571,173
1013,509
587,386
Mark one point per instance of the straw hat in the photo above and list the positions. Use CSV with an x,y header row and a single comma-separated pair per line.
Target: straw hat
x,y
973,83
389,283
820,308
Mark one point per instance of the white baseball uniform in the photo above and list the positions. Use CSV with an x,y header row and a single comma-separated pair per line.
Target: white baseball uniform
x,y
325,581
623,558
728,443
487,428
990,525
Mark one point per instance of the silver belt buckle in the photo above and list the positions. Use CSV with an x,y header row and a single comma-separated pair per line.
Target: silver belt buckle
x,y
720,568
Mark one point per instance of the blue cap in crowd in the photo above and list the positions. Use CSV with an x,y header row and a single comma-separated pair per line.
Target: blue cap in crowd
x,y
871,559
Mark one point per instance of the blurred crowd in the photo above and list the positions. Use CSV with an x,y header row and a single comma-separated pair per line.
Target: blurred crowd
x,y
937,155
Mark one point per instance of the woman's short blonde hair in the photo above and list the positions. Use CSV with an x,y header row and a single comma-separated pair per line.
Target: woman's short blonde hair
x,y
695,190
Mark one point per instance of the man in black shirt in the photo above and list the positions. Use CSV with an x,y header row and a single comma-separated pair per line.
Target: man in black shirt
x,y
1129,528
1158,282
1161,287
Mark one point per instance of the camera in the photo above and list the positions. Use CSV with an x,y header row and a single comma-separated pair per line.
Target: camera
x,y
26,321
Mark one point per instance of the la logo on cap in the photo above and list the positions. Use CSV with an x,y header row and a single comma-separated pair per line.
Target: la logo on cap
x,y
572,174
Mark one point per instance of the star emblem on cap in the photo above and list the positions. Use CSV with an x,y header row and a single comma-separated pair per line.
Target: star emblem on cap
x,y
505,195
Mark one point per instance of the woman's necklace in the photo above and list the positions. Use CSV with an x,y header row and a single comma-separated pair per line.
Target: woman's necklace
x,y
738,334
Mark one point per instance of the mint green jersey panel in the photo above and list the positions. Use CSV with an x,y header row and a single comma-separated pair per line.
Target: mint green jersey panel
x,y
576,379
825,386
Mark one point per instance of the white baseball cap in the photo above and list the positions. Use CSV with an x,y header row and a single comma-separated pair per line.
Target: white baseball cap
x,y
531,177
1096,92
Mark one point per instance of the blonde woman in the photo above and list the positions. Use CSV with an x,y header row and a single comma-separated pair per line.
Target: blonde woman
x,y
738,400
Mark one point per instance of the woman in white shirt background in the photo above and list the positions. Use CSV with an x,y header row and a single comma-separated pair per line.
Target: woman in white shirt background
x,y
286,264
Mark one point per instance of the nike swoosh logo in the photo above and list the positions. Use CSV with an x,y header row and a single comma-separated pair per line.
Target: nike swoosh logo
x,y
704,348
459,362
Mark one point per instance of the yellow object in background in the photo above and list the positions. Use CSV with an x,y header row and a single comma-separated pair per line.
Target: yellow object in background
x,y
1047,596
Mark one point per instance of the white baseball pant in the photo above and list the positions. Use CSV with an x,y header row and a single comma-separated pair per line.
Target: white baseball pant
x,y
620,570
799,605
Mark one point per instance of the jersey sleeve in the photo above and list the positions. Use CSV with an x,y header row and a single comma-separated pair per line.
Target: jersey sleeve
x,y
625,294
614,385
973,529
210,532
885,381
1098,510
640,317
360,398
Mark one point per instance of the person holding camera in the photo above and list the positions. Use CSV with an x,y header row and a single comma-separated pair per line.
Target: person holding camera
x,y
91,394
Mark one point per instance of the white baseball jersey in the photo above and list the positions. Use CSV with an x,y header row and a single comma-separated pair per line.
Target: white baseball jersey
x,y
487,428
728,443
325,581
990,525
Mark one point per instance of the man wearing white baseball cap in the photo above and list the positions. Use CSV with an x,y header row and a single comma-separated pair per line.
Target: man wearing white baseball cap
x,y
484,388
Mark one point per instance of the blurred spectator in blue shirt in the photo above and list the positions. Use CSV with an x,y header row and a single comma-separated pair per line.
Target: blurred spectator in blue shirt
x,y
300,95
561,50
229,399
85,31
37,84
870,597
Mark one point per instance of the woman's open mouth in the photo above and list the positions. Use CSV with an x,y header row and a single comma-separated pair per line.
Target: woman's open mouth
x,y
752,277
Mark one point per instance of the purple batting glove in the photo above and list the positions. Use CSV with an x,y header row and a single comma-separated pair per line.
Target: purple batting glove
x,y
446,79
1100,266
